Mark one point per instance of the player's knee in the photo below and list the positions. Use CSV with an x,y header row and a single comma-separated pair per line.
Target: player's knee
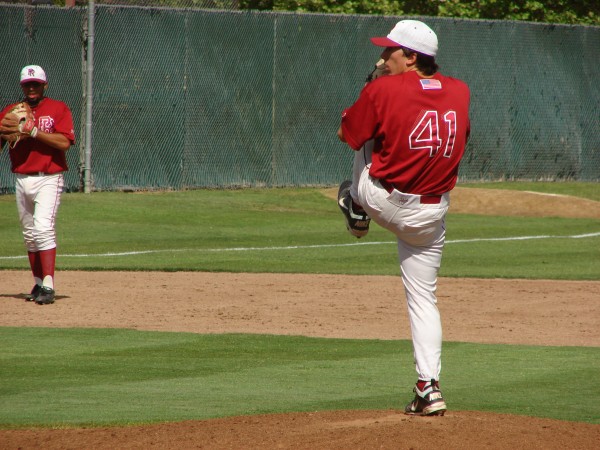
x,y
45,239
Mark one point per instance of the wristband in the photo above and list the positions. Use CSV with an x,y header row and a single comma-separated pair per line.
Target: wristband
x,y
33,133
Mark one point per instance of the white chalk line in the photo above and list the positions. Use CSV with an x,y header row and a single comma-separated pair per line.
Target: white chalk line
x,y
300,247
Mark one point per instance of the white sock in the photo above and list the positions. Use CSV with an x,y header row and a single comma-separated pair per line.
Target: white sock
x,y
48,282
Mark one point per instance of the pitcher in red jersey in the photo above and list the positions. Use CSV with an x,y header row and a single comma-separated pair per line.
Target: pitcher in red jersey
x,y
418,121
38,162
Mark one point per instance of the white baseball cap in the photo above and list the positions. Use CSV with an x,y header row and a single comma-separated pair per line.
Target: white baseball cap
x,y
411,34
33,73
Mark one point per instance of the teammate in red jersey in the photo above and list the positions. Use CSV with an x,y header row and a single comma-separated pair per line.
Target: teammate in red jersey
x,y
418,121
38,162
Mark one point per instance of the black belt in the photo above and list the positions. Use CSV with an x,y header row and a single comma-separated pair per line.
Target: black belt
x,y
38,174
425,199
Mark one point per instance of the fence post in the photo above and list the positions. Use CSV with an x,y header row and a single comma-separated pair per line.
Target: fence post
x,y
89,100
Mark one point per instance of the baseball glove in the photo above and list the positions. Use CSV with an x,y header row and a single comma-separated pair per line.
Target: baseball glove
x,y
378,71
18,123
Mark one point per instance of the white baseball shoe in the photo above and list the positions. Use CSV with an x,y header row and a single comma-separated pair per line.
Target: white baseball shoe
x,y
428,402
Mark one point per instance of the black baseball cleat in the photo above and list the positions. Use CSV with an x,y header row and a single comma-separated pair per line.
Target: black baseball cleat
x,y
357,223
34,293
46,296
428,402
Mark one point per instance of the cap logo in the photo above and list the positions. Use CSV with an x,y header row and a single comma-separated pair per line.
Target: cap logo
x,y
31,72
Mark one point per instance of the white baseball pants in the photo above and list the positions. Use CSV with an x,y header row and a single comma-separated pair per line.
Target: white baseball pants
x,y
38,198
420,231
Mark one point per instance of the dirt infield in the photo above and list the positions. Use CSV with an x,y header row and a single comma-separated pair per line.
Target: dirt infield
x,y
539,312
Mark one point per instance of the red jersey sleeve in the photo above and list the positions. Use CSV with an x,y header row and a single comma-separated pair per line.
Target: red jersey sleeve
x,y
359,122
65,124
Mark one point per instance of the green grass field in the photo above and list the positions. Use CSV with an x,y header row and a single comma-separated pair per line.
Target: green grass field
x,y
288,230
53,377
74,377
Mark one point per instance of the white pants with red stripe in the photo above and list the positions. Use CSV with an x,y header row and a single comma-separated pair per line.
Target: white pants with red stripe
x,y
38,198
420,232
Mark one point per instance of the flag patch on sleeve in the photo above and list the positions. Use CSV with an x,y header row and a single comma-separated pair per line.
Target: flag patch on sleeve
x,y
431,83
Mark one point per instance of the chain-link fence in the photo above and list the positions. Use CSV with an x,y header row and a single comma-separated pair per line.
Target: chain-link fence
x,y
203,4
188,98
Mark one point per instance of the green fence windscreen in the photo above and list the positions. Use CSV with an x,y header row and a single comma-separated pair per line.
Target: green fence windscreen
x,y
204,98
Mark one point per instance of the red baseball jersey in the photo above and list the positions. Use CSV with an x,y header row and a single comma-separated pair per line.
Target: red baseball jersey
x,y
420,126
31,155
